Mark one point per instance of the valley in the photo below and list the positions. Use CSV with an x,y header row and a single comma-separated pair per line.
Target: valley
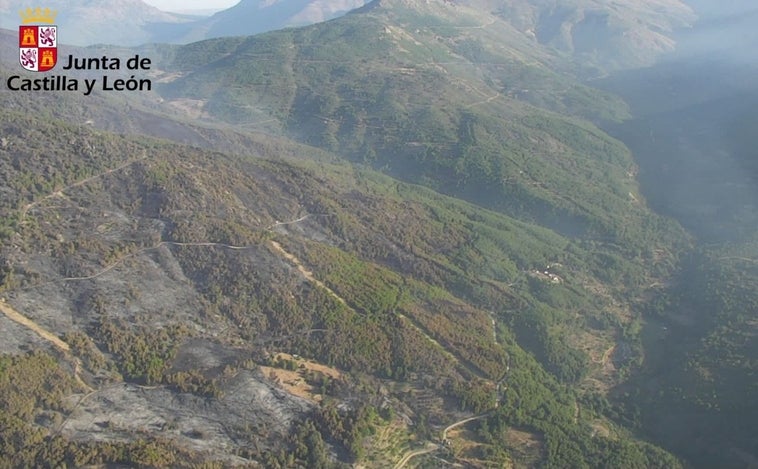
x,y
694,168
412,236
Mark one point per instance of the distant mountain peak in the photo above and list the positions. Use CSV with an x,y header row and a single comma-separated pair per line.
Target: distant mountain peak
x,y
250,17
84,22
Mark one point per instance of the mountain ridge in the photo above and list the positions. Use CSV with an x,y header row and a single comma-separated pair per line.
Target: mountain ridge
x,y
160,225
250,17
484,109
324,246
85,23
640,32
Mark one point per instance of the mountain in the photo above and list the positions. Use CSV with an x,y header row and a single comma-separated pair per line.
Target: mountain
x,y
83,22
629,33
401,236
181,283
440,102
694,115
250,17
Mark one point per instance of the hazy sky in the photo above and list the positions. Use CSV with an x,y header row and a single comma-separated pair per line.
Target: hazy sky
x,y
184,5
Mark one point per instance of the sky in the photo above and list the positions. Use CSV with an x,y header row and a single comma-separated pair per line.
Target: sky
x,y
184,5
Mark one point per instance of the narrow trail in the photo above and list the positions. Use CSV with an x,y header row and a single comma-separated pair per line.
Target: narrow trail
x,y
478,26
19,318
95,391
76,407
448,351
489,99
429,338
311,278
607,354
132,254
307,273
738,258
432,447
292,222
59,192
461,422
175,243
494,329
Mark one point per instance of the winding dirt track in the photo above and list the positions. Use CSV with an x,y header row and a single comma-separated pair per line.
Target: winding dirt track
x,y
432,447
461,422
59,192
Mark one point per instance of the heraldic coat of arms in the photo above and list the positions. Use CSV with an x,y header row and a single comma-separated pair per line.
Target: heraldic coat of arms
x,y
38,39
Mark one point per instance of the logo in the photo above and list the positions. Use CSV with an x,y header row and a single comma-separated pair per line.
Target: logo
x,y
38,39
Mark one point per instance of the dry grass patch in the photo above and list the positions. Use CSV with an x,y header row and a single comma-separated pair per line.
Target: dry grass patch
x,y
293,381
526,448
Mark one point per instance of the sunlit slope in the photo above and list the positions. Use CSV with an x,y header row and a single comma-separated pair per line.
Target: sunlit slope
x,y
145,254
451,102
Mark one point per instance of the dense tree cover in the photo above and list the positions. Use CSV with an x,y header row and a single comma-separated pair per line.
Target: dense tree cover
x,y
702,351
697,165
144,355
141,355
423,127
348,427
419,276
535,401
43,386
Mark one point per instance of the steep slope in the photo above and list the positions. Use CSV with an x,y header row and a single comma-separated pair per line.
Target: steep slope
x,y
250,17
431,96
263,302
700,372
693,137
83,22
598,36
138,113
177,276
623,35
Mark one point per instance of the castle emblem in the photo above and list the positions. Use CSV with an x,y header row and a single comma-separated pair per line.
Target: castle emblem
x,y
38,39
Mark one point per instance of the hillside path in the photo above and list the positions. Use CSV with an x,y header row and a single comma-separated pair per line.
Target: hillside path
x,y
59,192
307,273
432,447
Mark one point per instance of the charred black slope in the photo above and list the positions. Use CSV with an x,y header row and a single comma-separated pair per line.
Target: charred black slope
x,y
175,275
265,298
